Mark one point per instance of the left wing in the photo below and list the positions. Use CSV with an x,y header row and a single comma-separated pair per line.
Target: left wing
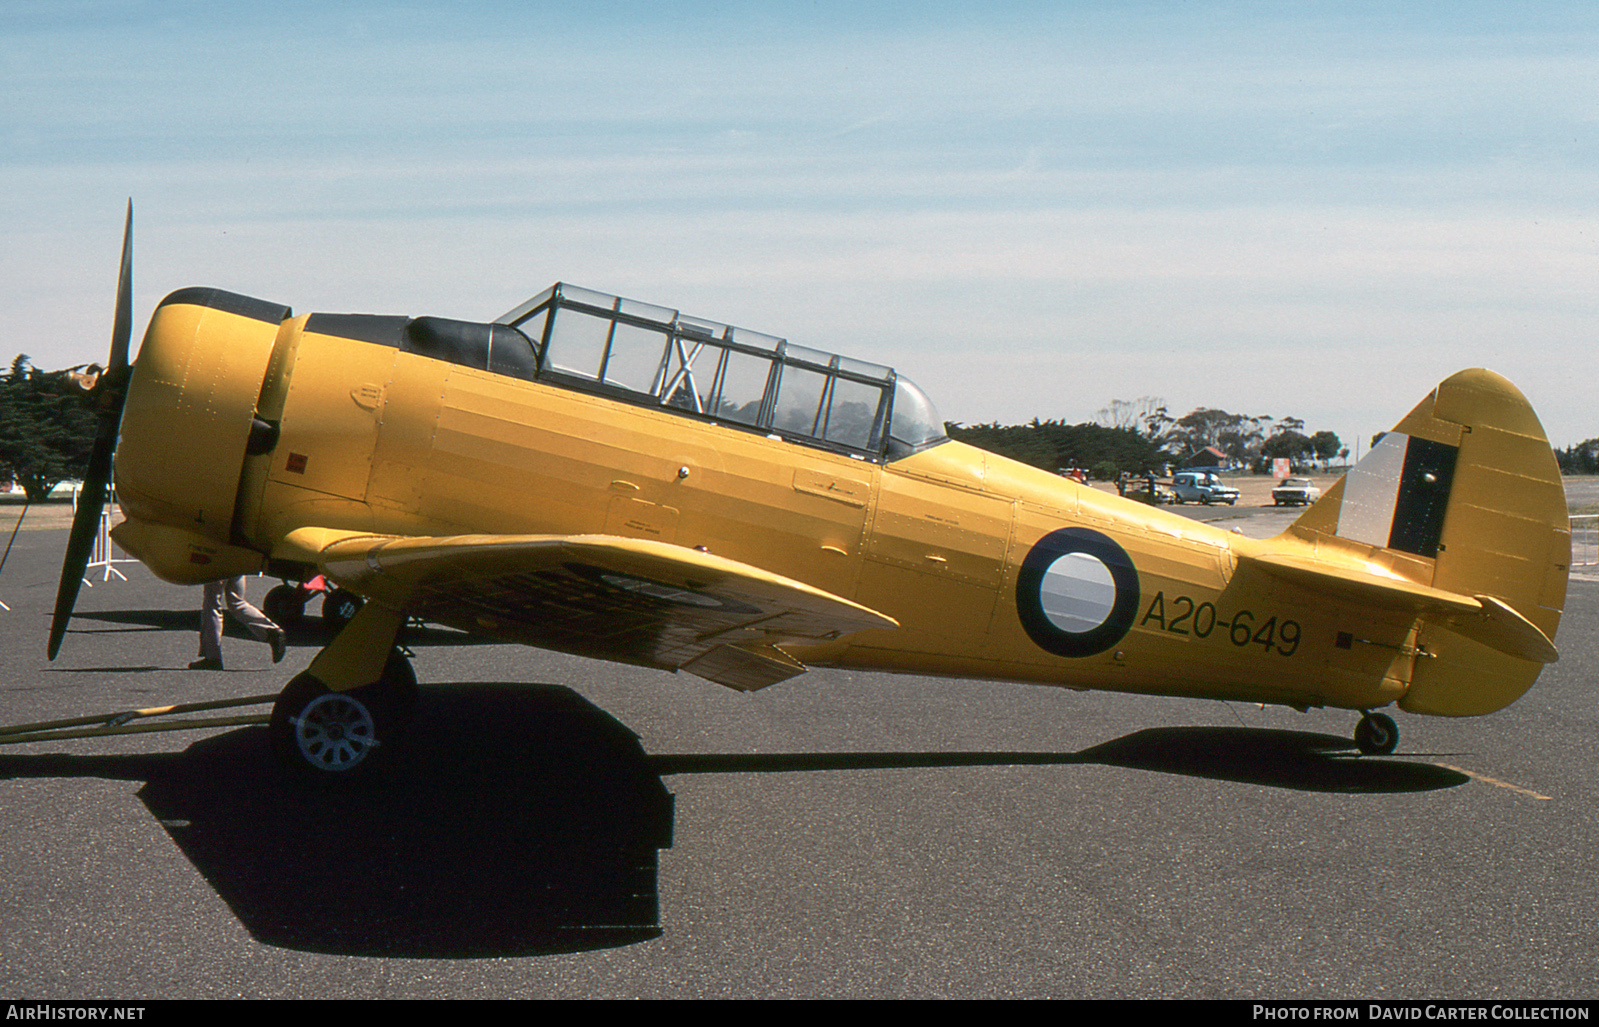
x,y
631,600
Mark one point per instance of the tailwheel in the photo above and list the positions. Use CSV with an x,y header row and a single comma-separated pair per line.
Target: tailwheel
x,y
1377,734
337,736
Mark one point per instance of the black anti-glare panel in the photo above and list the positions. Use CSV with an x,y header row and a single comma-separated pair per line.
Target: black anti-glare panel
x,y
232,303
459,342
378,329
495,347
511,352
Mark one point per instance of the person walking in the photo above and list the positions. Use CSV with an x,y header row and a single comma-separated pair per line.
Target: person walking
x,y
229,594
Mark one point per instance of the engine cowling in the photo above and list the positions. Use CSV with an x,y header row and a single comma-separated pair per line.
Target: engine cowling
x,y
189,420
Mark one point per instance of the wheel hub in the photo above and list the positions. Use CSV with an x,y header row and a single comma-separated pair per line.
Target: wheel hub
x,y
335,732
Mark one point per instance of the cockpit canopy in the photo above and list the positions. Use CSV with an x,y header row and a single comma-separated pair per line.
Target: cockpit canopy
x,y
647,354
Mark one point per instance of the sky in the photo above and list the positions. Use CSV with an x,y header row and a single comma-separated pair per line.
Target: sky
x,y
1315,210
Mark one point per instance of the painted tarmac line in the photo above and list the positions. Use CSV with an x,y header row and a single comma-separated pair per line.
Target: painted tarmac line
x,y
1484,778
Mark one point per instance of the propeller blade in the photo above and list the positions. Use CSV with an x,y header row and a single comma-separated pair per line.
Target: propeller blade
x,y
85,526
122,326
97,477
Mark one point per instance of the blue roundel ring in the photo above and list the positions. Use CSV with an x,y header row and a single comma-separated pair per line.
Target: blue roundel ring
x,y
1077,593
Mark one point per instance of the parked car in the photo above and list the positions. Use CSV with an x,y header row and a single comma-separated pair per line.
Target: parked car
x,y
1295,492
1202,487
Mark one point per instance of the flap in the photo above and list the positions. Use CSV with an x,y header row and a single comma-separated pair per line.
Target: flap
x,y
745,668
632,600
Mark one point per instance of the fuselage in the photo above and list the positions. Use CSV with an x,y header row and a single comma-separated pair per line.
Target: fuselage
x,y
244,424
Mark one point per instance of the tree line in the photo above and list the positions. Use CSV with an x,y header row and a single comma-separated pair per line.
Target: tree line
x,y
1583,458
1140,437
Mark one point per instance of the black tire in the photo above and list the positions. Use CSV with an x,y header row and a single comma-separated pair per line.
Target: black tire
x,y
325,735
339,607
1377,734
336,736
284,605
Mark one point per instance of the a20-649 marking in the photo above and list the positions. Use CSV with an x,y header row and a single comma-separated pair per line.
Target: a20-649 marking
x,y
1182,616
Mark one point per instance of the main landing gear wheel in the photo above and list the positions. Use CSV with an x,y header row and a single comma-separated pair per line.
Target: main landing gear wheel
x,y
335,736
334,732
1377,734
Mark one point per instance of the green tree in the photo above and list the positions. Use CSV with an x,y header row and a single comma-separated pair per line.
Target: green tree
x,y
47,428
1237,435
1054,445
1327,444
1290,444
1582,458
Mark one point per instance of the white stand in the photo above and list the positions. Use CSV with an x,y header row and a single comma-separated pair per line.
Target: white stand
x,y
101,559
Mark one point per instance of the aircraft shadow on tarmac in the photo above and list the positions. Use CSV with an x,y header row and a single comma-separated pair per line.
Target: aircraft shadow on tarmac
x,y
1298,760
527,821
524,821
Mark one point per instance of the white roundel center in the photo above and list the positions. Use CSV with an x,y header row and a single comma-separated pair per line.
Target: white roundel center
x,y
1077,593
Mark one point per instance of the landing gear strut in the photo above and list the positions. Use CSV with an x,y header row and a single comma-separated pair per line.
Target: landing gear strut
x,y
1376,734
333,720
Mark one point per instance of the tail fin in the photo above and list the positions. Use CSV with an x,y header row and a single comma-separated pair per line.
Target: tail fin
x,y
1463,497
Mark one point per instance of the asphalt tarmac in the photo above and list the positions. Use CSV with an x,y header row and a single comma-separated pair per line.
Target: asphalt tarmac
x,y
556,827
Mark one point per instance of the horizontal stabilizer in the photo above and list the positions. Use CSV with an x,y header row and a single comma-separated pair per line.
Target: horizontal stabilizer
x,y
1482,619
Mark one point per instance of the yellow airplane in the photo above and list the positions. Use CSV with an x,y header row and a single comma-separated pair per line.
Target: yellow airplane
x,y
617,480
